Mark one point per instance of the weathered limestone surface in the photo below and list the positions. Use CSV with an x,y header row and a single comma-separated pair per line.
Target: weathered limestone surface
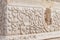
x,y
30,20
17,18
3,4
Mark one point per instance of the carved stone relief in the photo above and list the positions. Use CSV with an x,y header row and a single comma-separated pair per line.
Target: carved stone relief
x,y
25,20
21,20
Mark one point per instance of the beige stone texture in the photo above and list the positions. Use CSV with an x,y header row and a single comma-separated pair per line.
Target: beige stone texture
x,y
28,17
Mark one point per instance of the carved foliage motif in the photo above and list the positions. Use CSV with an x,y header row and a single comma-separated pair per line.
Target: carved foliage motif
x,y
24,20
28,20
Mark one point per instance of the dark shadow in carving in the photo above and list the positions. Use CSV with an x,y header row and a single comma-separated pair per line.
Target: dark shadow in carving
x,y
48,16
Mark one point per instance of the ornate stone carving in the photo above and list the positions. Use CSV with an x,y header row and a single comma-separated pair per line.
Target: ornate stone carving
x,y
21,20
25,20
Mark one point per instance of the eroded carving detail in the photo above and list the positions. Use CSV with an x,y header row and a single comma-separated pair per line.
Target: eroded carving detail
x,y
48,19
28,20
